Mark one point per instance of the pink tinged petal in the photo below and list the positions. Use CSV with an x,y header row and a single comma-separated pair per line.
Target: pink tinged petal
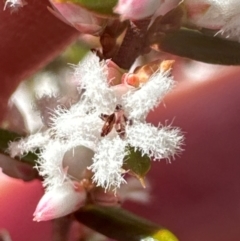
x,y
136,9
60,201
79,18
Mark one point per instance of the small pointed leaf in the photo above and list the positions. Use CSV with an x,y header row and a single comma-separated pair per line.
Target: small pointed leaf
x,y
138,164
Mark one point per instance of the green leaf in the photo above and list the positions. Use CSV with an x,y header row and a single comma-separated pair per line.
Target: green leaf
x,y
122,225
102,7
197,46
138,164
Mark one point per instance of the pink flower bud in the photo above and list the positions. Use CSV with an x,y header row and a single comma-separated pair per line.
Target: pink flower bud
x,y
60,201
76,16
136,9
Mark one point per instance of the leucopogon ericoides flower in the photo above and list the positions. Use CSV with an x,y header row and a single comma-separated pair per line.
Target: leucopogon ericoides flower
x,y
108,121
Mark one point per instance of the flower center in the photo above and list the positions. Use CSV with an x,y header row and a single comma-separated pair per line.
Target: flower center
x,y
117,120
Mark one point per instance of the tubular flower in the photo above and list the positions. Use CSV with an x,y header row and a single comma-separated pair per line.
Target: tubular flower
x,y
107,123
53,204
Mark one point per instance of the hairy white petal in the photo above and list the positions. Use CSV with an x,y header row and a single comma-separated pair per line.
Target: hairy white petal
x,y
28,144
93,79
232,28
46,105
156,142
50,164
77,127
138,103
107,163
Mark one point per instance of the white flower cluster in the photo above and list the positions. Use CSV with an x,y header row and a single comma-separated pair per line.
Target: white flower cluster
x,y
123,110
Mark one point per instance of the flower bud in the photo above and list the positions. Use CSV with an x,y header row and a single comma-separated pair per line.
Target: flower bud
x,y
143,73
76,16
136,9
60,201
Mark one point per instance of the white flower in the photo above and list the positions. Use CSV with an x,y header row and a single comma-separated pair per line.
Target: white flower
x,y
122,125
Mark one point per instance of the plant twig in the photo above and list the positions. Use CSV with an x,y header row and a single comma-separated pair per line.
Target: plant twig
x,y
61,228
122,225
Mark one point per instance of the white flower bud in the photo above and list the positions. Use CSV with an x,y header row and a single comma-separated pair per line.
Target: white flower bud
x,y
60,201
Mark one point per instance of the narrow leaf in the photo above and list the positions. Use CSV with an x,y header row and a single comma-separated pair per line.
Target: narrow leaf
x,y
122,225
197,46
